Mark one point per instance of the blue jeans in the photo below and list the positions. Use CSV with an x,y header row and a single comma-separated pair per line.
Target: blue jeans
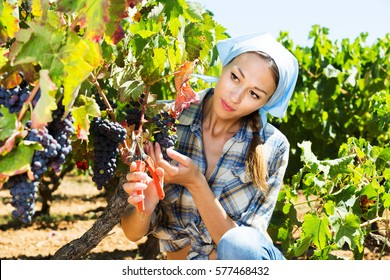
x,y
246,243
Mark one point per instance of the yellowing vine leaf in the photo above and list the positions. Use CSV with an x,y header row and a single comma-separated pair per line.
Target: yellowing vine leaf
x,y
69,62
42,113
9,24
114,31
3,57
86,107
185,94
36,6
81,57
11,80
94,16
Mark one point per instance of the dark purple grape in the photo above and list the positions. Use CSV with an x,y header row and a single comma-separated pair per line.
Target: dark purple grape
x,y
106,137
165,134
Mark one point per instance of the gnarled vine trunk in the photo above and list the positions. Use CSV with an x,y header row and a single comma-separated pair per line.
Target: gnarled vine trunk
x,y
80,247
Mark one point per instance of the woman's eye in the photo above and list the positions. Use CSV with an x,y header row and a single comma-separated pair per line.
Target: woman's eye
x,y
234,77
254,95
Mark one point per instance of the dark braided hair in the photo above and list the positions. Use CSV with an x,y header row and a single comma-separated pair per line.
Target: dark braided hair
x,y
255,163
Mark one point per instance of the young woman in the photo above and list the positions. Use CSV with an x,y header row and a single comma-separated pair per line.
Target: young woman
x,y
222,185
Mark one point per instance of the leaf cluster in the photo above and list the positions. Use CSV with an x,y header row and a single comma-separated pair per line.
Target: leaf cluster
x,y
341,92
340,199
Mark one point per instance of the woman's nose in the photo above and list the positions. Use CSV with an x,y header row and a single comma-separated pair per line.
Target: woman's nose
x,y
235,95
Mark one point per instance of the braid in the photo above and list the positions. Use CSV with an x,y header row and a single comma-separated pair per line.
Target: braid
x,y
254,121
255,164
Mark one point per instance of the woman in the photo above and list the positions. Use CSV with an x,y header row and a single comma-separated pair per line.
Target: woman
x,y
230,162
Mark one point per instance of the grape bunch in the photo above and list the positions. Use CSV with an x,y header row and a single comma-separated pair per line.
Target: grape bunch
x,y
133,112
23,189
24,193
14,98
55,140
106,136
61,128
165,134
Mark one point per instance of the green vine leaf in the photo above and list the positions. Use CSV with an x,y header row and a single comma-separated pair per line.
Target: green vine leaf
x,y
317,228
348,231
8,123
19,159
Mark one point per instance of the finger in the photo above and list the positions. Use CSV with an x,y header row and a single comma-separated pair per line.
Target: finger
x,y
169,169
136,176
133,166
159,158
130,188
150,150
181,159
158,153
160,174
135,199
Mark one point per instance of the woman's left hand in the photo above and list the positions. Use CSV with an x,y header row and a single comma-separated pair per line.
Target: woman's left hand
x,y
184,173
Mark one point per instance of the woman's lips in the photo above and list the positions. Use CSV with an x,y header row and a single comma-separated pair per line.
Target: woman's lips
x,y
226,106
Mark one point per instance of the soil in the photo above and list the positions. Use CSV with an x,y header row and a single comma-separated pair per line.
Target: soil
x,y
75,207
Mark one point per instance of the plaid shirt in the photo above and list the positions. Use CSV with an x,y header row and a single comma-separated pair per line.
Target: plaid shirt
x,y
176,220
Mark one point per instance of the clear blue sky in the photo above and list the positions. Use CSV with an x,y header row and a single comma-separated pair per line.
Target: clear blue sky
x,y
344,18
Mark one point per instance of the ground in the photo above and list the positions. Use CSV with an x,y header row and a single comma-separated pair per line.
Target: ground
x,y
76,206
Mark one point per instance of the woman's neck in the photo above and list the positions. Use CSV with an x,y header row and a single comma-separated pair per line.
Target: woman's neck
x,y
214,124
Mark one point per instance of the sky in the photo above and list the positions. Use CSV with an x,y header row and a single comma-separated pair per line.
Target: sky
x,y
343,18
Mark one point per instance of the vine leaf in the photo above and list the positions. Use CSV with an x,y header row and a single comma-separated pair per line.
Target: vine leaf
x,y
42,113
317,228
348,231
93,15
185,94
10,129
81,57
19,159
69,58
85,107
12,80
118,11
9,24
8,124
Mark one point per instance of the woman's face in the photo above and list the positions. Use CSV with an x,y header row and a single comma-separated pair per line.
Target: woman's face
x,y
246,84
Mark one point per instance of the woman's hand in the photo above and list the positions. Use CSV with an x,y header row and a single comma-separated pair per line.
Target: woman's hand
x,y
140,181
185,172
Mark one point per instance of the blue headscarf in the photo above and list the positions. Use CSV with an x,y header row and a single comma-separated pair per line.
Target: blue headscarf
x,y
287,65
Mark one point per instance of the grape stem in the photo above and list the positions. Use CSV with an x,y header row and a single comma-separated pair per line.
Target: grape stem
x,y
103,96
143,109
124,152
28,101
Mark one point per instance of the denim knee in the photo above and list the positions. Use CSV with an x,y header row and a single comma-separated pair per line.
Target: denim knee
x,y
246,243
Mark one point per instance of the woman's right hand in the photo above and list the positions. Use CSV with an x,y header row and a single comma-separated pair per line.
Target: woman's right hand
x,y
140,181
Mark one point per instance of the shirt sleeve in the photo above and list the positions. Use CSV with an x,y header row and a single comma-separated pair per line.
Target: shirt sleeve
x,y
260,209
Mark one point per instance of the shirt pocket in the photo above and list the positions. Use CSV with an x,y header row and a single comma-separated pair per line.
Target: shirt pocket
x,y
237,193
